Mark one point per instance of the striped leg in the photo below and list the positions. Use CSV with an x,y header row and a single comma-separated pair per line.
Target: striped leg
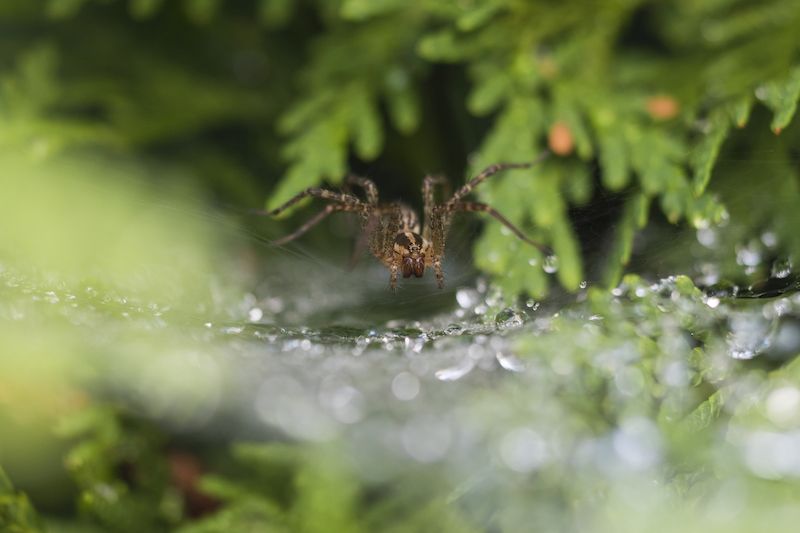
x,y
488,172
370,190
393,269
437,268
314,192
316,219
429,194
485,208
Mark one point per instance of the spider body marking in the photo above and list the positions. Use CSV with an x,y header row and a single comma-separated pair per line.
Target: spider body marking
x,y
392,231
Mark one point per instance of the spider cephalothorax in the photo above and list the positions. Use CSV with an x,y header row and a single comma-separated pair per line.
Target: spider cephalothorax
x,y
392,231
410,250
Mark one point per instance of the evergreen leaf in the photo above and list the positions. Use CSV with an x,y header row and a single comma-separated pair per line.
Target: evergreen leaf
x,y
782,99
402,100
613,158
634,217
275,13
366,125
364,9
705,152
491,87
441,46
142,9
740,110
17,515
565,245
64,8
201,11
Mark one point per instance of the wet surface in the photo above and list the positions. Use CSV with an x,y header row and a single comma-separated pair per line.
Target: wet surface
x,y
514,386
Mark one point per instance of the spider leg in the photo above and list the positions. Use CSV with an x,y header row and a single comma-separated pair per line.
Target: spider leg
x,y
435,232
488,172
429,196
313,221
315,192
384,223
393,269
370,190
485,208
437,268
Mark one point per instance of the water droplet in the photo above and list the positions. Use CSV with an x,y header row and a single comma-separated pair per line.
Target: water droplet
x,y
781,268
523,450
274,305
675,374
532,304
508,318
454,329
482,285
467,297
283,402
749,335
749,255
405,386
712,302
707,237
415,344
700,222
456,372
533,261
709,274
769,239
783,406
51,297
106,492
427,438
342,400
550,264
510,362
584,284
255,314
772,454
638,443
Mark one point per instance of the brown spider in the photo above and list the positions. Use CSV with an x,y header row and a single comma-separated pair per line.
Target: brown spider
x,y
392,230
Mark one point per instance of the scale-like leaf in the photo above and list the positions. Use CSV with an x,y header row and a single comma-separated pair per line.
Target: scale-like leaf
x,y
705,152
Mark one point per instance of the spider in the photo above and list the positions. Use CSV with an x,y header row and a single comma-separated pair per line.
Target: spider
x,y
392,230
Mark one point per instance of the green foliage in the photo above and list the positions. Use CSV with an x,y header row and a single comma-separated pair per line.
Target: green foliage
x,y
120,471
312,489
587,73
111,281
634,217
341,79
16,513
350,69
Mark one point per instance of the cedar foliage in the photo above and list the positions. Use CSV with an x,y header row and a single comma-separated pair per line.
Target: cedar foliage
x,y
262,99
648,91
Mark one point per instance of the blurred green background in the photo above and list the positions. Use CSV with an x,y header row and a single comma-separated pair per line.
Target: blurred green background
x,y
163,367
